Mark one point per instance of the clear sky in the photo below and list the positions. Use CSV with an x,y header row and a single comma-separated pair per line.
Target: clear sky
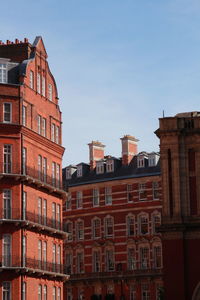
x,y
117,63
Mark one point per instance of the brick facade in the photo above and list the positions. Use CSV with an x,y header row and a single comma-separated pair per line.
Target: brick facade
x,y
112,211
30,170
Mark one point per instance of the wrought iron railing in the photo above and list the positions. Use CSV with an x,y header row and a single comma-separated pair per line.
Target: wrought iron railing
x,y
13,261
12,214
33,172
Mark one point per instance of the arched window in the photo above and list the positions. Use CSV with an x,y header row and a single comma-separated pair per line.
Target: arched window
x,y
144,256
156,222
69,230
69,262
131,254
143,224
109,259
157,255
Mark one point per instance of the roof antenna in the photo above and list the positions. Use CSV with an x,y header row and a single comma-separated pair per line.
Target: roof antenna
x,y
163,113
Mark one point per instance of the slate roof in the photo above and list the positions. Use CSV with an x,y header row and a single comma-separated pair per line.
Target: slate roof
x,y
121,172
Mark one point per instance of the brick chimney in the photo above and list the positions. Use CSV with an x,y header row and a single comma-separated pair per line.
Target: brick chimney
x,y
129,148
96,152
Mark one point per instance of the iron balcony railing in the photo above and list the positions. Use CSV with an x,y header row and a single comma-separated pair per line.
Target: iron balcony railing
x,y
40,175
14,214
13,261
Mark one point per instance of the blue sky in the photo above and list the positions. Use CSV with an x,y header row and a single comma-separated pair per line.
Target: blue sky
x,y
118,64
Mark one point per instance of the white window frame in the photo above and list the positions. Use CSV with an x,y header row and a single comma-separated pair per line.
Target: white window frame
x,y
7,158
31,82
7,250
7,288
96,260
144,257
155,190
129,220
43,86
69,230
39,121
94,227
3,73
110,260
50,92
44,127
7,204
69,201
110,165
9,113
69,262
96,197
109,223
39,292
79,199
45,292
141,222
140,162
80,230
100,167
80,262
108,195
38,83
79,171
131,258
24,115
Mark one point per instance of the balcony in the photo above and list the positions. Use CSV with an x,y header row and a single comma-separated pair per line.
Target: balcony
x,y
33,266
33,176
32,220
116,275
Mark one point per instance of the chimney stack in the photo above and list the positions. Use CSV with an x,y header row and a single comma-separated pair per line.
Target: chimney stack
x,y
129,148
96,152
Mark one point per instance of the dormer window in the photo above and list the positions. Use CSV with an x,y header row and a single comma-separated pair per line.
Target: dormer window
x,y
79,171
153,159
140,162
100,167
68,173
109,165
3,73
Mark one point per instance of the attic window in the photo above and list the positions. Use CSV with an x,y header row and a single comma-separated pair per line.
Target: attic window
x,y
153,159
79,171
68,173
140,162
100,168
109,166
3,73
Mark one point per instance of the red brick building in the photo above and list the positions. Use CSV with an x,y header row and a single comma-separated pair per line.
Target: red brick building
x,y
111,214
31,192
180,161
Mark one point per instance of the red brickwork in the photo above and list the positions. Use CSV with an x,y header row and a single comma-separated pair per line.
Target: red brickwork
x,y
31,192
